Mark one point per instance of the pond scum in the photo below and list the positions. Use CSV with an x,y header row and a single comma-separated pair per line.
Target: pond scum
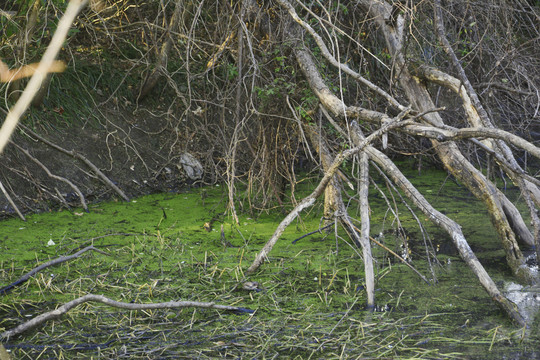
x,y
308,301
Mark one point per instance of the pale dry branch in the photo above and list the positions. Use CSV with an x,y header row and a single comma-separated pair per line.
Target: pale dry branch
x,y
442,221
40,73
8,75
310,199
10,200
332,60
40,319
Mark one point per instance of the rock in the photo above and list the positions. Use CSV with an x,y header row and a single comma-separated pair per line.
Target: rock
x,y
191,166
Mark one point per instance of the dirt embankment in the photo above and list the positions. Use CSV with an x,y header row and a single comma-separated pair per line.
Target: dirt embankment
x,y
139,152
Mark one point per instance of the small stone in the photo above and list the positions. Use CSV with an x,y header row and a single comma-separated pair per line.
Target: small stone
x,y
250,285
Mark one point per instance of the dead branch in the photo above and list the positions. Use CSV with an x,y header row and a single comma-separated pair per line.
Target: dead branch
x,y
10,200
59,178
40,73
310,199
334,206
441,220
332,60
58,260
319,230
82,158
449,152
38,320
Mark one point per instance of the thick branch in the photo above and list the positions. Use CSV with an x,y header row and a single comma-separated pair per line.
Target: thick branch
x,y
441,220
332,60
363,193
446,133
449,152
310,199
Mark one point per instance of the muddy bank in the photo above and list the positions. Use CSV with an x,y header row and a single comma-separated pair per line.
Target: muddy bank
x,y
140,153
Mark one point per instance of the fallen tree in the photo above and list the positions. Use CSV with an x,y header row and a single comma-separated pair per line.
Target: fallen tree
x,y
422,118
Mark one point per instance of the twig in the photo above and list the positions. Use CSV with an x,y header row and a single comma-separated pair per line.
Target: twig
x,y
310,199
6,194
332,60
76,155
58,260
399,257
118,304
59,178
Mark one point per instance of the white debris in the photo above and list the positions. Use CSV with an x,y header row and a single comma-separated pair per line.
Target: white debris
x,y
191,166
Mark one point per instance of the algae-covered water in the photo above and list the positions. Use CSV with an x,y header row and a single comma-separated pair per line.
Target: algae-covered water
x,y
309,303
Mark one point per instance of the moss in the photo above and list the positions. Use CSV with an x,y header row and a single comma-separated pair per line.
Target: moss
x,y
311,302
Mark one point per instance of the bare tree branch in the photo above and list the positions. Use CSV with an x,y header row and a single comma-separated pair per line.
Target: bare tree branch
x,y
53,262
38,320
40,73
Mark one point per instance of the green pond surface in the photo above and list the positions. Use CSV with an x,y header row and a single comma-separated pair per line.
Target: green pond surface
x,y
310,302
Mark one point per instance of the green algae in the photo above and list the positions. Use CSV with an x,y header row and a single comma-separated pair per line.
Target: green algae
x,y
311,299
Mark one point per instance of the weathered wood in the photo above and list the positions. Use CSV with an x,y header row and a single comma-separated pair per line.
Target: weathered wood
x,y
449,152
363,193
38,320
59,260
441,220
311,198
334,207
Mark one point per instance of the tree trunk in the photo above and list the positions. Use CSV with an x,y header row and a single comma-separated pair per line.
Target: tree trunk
x,y
161,64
